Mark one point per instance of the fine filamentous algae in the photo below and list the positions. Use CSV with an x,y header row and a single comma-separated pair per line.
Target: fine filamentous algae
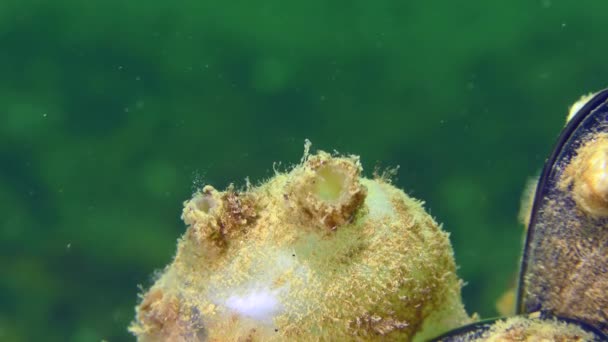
x,y
318,253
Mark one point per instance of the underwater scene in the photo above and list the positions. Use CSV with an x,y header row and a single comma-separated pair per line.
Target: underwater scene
x,y
303,171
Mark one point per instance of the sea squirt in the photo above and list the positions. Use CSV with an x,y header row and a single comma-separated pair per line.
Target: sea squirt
x,y
318,253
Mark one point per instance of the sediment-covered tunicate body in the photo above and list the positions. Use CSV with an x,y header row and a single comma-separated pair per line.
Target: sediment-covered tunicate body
x,y
318,253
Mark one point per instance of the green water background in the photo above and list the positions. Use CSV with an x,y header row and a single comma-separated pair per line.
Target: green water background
x,y
113,112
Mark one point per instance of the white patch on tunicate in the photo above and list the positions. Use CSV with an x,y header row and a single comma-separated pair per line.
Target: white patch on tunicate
x,y
256,294
260,305
377,201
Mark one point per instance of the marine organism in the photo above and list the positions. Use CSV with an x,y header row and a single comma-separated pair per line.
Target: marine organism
x,y
563,285
318,253
321,253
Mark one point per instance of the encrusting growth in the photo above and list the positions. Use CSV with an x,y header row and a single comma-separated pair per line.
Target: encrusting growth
x,y
588,177
318,253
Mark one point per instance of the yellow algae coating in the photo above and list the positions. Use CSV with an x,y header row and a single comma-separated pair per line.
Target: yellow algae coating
x,y
315,254
587,176
521,329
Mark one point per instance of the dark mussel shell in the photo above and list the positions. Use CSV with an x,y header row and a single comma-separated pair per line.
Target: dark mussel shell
x,y
482,330
565,263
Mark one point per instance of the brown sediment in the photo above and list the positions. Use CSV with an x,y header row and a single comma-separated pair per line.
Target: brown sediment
x,y
327,189
163,317
217,217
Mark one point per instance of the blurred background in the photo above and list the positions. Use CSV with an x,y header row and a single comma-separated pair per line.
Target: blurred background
x,y
113,112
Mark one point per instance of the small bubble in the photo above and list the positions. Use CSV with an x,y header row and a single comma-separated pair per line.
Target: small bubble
x,y
69,245
44,115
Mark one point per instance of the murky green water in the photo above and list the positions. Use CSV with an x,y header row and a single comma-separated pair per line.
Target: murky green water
x,y
112,113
